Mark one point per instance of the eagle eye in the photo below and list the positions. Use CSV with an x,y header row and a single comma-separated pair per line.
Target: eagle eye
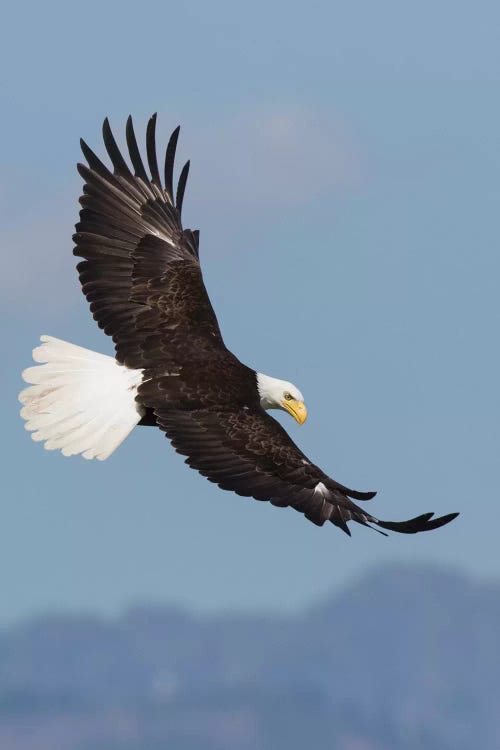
x,y
288,396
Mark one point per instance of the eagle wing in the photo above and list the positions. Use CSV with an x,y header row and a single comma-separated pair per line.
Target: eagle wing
x,y
248,452
141,273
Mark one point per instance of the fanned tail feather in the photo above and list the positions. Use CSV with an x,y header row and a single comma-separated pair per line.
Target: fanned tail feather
x,y
79,401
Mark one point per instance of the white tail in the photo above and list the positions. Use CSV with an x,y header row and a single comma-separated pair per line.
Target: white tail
x,y
79,401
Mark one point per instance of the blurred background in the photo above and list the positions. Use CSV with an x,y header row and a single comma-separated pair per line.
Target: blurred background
x,y
345,164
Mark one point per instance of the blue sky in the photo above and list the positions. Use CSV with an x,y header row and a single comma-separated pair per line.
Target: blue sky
x,y
345,178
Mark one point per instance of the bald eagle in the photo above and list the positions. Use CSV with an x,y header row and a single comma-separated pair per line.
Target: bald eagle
x,y
141,275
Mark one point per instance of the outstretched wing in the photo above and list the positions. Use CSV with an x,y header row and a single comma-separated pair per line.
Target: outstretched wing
x,y
248,451
141,272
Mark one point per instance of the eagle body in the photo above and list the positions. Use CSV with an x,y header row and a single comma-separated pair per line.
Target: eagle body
x,y
141,274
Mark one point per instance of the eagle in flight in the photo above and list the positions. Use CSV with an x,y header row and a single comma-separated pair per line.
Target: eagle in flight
x,y
141,275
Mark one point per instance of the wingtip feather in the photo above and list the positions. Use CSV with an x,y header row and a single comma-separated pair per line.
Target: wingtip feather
x,y
151,151
169,163
424,522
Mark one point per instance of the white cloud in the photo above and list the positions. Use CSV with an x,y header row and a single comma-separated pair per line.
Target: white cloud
x,y
275,158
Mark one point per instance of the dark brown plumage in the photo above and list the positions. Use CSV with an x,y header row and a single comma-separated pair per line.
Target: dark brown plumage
x,y
141,275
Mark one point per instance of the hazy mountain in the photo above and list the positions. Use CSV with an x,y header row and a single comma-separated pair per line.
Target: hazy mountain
x,y
406,658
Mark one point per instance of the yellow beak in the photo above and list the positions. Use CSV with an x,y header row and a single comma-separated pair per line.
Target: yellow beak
x,y
296,408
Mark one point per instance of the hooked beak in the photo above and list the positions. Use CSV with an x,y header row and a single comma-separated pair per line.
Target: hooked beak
x,y
296,408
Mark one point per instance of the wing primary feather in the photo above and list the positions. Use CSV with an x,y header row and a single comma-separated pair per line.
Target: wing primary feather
x,y
135,154
181,187
337,521
368,526
169,164
350,493
151,151
119,163
425,522
93,161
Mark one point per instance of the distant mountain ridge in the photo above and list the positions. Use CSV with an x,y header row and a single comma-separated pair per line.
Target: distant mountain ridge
x,y
406,658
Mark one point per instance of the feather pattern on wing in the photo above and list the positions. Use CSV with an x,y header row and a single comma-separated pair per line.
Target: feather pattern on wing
x,y
140,272
248,452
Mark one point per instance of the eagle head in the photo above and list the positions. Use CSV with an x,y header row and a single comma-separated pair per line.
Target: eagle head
x,y
280,394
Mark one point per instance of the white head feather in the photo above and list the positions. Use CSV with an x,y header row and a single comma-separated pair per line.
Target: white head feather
x,y
273,391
